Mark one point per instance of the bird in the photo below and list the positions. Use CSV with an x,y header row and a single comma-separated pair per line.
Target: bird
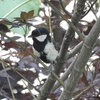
x,y
43,47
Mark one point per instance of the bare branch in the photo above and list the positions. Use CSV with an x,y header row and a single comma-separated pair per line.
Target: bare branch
x,y
46,88
65,10
89,9
81,62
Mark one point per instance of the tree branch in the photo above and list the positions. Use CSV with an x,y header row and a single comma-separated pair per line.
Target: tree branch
x,y
89,9
86,89
81,62
64,76
76,49
46,88
64,18
65,10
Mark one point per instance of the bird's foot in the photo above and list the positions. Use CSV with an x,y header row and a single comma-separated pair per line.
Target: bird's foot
x,y
51,68
37,59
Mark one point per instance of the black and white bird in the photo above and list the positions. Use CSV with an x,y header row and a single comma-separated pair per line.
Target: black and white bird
x,y
43,46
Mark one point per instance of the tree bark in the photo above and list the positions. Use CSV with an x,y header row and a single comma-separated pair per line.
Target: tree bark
x,y
81,61
47,87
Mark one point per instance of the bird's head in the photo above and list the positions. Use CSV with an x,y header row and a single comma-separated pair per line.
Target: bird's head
x,y
39,34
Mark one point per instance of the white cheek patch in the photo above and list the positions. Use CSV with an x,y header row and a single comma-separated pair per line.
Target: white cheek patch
x,y
41,38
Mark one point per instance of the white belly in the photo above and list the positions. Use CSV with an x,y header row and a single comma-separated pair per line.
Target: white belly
x,y
51,52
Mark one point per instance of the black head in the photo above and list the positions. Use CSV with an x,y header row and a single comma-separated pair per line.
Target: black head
x,y
39,31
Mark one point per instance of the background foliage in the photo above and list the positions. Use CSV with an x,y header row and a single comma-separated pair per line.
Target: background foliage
x,y
21,77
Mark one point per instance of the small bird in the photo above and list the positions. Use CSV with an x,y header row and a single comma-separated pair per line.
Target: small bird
x,y
43,47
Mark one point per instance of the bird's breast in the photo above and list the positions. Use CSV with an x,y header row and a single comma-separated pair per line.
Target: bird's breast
x,y
51,52
39,46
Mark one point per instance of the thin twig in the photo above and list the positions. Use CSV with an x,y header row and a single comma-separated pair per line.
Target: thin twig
x,y
64,18
9,83
86,89
20,75
89,9
16,8
65,10
29,90
50,27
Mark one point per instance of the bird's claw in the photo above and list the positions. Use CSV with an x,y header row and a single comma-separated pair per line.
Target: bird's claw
x,y
51,68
